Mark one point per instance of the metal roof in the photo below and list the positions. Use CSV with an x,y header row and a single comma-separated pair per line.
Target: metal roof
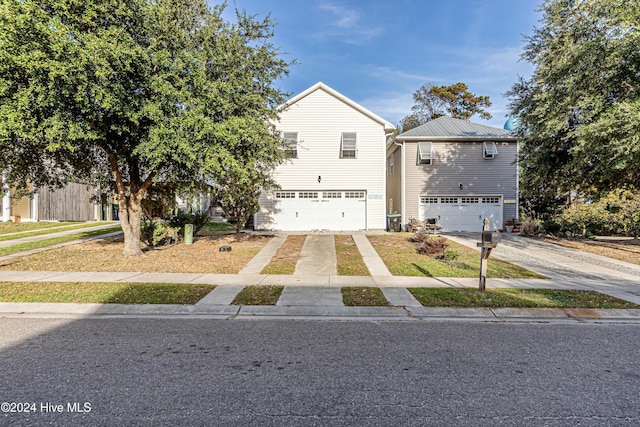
x,y
449,128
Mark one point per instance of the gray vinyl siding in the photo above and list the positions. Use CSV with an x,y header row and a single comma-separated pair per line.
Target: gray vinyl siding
x,y
461,162
394,181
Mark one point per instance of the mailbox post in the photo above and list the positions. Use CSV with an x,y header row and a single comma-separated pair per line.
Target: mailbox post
x,y
489,241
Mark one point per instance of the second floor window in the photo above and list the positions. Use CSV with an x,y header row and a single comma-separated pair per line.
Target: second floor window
x,y
291,148
349,148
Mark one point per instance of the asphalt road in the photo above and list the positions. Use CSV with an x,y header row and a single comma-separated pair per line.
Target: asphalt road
x,y
316,373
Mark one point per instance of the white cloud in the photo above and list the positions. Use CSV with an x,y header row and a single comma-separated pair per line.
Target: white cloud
x,y
346,24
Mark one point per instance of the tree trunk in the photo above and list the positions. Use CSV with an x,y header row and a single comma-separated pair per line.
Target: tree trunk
x,y
130,218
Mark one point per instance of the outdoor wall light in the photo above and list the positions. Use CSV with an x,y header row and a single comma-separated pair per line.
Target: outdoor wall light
x,y
460,185
319,179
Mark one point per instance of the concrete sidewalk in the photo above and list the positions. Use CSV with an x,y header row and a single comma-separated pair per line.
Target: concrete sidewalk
x,y
51,235
313,292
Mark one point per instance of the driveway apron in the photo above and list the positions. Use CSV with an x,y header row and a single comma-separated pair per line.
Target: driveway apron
x,y
318,256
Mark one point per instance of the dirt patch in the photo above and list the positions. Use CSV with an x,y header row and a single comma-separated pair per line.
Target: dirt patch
x,y
622,250
203,256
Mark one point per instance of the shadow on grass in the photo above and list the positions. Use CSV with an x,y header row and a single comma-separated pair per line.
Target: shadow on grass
x,y
103,293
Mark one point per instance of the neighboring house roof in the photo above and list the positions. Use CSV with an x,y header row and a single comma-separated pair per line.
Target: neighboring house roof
x,y
447,128
321,86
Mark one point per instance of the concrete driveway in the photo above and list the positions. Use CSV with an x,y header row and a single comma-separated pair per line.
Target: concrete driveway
x,y
553,261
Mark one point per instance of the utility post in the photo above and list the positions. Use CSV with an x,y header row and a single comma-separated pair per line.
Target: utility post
x,y
489,242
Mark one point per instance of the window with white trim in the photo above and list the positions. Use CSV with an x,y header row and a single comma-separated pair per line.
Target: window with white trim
x,y
491,200
391,164
449,200
425,154
285,194
331,194
308,194
348,146
354,194
490,150
430,200
291,145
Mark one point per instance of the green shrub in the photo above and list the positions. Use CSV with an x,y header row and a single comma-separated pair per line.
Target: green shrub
x,y
158,233
198,219
551,226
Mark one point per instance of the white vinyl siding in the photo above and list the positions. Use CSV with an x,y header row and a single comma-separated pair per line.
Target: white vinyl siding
x,y
320,120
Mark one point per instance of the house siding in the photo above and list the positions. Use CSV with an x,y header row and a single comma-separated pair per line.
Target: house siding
x,y
394,180
319,120
461,162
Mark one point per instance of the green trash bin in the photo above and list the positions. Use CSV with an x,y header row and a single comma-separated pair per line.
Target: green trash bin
x,y
188,234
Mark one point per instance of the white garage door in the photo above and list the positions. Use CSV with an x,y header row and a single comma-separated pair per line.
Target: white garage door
x,y
320,210
462,213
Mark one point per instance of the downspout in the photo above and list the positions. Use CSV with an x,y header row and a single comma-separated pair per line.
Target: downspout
x,y
402,183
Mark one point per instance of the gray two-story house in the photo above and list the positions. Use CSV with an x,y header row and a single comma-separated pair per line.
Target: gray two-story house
x,y
456,171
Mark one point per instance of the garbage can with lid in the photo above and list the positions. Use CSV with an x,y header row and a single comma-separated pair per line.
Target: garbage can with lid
x,y
393,222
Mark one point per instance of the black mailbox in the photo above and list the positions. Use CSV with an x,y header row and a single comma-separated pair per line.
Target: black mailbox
x,y
491,237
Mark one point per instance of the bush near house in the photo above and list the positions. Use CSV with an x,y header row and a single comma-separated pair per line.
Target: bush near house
x,y
615,213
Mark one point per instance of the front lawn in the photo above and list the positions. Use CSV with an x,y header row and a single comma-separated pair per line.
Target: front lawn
x,y
258,295
103,293
203,256
22,247
286,258
363,296
517,298
349,259
402,259
18,227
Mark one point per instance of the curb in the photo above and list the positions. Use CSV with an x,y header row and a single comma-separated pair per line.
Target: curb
x,y
231,312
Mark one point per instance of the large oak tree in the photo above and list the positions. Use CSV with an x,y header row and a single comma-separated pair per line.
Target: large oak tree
x,y
134,92
580,110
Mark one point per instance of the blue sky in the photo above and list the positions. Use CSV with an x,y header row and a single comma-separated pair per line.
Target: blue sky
x,y
378,52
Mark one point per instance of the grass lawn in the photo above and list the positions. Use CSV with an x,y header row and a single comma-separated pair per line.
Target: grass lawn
x,y
350,261
13,227
519,298
103,293
202,256
402,259
216,228
21,247
258,295
48,230
286,258
363,296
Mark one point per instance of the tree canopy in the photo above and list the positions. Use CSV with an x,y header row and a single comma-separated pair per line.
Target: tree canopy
x,y
456,101
135,92
579,112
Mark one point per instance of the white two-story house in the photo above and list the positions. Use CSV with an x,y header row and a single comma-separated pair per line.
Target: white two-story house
x,y
334,178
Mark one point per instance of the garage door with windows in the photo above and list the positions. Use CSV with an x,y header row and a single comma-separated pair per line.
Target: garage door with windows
x,y
462,213
332,210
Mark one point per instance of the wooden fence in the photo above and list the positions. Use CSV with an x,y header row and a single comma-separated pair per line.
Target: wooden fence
x,y
71,203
